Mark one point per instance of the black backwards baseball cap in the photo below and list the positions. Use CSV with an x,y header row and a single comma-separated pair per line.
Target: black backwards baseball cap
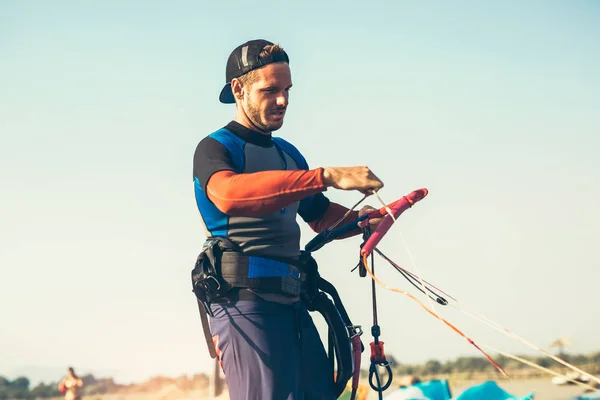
x,y
244,59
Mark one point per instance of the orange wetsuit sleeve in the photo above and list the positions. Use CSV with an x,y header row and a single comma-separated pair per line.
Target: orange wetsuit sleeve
x,y
262,192
333,213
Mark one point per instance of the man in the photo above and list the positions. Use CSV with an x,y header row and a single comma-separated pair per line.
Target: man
x,y
249,187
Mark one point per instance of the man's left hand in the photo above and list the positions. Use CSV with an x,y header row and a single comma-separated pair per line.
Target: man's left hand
x,y
374,222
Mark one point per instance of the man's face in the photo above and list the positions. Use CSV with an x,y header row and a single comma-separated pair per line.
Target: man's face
x,y
265,101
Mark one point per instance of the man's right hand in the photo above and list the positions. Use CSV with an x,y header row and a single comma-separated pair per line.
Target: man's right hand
x,y
352,178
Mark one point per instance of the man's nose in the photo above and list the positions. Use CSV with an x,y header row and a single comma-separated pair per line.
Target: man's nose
x,y
282,99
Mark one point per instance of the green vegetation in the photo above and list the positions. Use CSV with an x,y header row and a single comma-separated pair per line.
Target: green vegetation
x,y
19,389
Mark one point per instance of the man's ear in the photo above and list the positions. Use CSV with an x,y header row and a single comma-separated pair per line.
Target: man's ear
x,y
237,89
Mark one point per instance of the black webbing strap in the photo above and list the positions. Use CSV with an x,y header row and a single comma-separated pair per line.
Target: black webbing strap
x,y
206,328
339,346
265,274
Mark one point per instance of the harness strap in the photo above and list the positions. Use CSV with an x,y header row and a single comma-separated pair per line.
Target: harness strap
x,y
348,354
252,272
357,347
207,334
341,347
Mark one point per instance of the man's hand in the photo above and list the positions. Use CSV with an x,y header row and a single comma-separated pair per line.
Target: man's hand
x,y
373,223
352,178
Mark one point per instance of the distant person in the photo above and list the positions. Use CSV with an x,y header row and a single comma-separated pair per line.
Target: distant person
x,y
71,385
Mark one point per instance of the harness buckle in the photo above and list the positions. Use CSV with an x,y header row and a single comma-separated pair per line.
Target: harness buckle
x,y
202,298
354,330
207,284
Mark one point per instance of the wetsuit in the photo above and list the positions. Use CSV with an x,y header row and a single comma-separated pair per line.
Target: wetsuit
x,y
249,189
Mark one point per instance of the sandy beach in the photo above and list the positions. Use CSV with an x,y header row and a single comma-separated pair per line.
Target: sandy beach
x,y
543,389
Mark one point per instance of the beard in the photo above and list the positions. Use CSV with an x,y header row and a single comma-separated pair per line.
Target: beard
x,y
255,116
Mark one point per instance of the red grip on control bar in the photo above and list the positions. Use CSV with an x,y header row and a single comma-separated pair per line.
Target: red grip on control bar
x,y
397,209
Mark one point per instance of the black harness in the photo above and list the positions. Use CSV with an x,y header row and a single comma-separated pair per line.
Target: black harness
x,y
221,267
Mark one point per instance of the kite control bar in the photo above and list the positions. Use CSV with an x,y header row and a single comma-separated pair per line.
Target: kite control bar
x,y
327,235
397,207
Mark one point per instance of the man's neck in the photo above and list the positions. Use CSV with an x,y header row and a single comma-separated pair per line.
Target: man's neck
x,y
249,135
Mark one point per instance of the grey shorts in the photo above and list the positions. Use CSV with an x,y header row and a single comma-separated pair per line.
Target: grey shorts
x,y
271,351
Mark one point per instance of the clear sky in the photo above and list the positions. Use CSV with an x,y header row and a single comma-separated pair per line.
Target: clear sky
x,y
491,106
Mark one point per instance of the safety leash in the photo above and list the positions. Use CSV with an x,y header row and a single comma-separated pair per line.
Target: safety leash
x,y
378,358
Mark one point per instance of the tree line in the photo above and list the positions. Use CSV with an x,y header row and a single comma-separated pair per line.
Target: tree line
x,y
20,388
480,364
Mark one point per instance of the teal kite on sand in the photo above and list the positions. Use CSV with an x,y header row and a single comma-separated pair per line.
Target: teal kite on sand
x,y
428,390
440,390
490,391
588,396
